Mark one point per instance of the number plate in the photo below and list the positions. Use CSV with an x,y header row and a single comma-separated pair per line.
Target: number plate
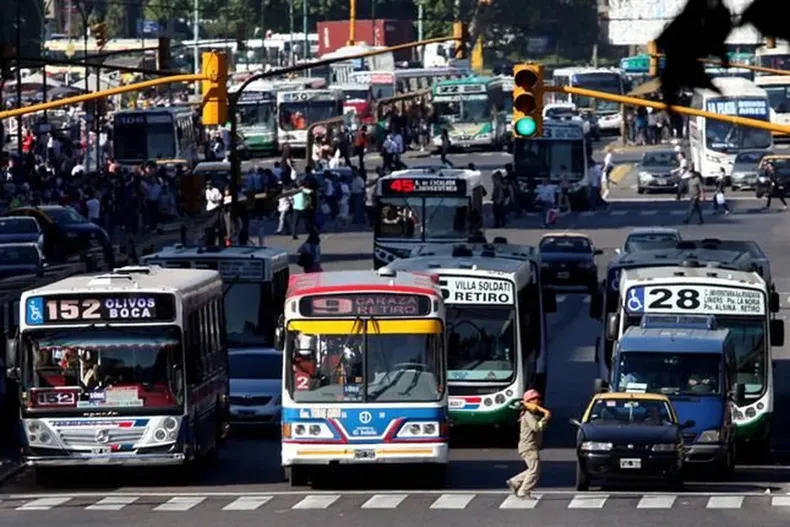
x,y
631,463
100,450
563,275
365,453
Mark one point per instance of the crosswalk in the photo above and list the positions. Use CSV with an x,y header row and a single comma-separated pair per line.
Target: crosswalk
x,y
631,212
490,500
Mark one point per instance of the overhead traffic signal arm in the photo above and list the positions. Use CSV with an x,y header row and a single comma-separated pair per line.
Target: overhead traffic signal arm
x,y
528,100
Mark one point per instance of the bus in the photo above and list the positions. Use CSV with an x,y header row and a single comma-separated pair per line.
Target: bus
x,y
540,159
160,134
607,80
357,100
123,368
387,84
462,108
777,87
500,98
364,373
496,329
298,109
418,206
741,301
776,58
714,145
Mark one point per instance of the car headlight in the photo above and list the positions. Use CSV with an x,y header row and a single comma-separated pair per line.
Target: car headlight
x,y
307,431
709,436
645,175
664,447
590,446
416,429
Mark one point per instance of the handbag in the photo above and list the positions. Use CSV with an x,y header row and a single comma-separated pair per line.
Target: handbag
x,y
719,197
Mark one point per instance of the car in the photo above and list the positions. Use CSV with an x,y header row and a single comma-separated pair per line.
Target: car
x,y
743,175
568,260
19,229
17,259
781,164
629,437
255,386
650,238
656,171
66,232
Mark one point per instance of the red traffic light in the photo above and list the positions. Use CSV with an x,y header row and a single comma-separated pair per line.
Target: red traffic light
x,y
525,103
526,78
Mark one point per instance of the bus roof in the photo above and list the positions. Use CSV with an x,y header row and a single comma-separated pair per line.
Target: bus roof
x,y
581,70
475,265
362,282
703,273
131,279
733,87
772,80
501,250
277,259
465,80
674,340
174,110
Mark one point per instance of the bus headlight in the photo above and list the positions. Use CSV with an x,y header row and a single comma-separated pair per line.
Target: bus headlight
x,y
664,447
308,431
416,430
709,436
39,435
750,412
500,398
162,431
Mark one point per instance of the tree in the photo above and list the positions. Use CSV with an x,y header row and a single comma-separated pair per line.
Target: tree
x,y
117,17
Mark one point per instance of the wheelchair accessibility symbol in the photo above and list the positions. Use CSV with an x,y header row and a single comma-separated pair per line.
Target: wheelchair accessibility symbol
x,y
636,300
35,311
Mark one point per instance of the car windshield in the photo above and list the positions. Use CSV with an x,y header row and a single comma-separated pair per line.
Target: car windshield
x,y
631,411
357,361
649,242
18,226
565,244
66,216
481,343
245,322
749,158
263,366
18,255
561,112
660,159
694,374
423,218
102,368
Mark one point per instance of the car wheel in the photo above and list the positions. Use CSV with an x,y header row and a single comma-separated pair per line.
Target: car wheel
x,y
582,479
640,190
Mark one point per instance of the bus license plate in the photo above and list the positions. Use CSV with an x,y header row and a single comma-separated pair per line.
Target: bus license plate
x,y
563,275
631,463
100,450
365,453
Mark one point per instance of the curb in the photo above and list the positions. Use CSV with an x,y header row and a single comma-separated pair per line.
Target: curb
x,y
620,171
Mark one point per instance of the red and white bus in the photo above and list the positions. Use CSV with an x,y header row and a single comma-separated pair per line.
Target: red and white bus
x,y
386,84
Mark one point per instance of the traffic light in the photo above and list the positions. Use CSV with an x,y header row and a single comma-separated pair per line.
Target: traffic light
x,y
215,89
163,54
652,51
459,34
528,100
99,32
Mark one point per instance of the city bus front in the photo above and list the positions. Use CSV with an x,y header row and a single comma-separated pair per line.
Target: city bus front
x,y
743,310
256,117
364,381
608,112
143,136
298,110
102,379
464,111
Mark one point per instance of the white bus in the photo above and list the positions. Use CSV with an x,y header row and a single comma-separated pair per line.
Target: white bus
x,y
776,58
364,373
563,147
298,109
715,144
500,98
417,206
777,87
495,329
124,368
741,302
607,80
160,134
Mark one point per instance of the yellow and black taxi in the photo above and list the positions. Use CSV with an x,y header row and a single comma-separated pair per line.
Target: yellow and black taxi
x,y
773,169
629,437
567,259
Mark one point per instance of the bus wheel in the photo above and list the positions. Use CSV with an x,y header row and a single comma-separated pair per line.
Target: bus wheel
x,y
297,475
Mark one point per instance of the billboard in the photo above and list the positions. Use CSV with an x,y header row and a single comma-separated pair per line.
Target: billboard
x,y
635,22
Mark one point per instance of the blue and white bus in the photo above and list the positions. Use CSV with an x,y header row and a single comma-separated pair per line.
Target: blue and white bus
x,y
364,372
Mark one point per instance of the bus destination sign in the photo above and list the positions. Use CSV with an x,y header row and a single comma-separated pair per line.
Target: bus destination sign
x,y
100,308
439,185
365,304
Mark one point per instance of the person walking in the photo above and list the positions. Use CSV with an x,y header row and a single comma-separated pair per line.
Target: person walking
x,y
444,149
682,173
696,194
719,200
777,189
532,422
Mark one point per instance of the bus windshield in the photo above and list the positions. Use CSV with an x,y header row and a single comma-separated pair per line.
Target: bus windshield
x,y
725,137
383,91
544,159
359,364
261,114
693,374
481,343
605,82
300,115
423,218
90,369
778,97
462,111
145,141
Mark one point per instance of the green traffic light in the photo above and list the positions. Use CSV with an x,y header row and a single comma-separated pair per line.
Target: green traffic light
x,y
526,126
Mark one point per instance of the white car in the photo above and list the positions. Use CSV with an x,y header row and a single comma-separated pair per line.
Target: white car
x,y
650,238
255,386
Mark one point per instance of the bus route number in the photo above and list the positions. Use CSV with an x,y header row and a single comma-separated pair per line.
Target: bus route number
x,y
660,298
56,398
74,309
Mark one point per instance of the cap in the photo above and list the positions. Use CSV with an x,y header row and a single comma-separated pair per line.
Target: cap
x,y
531,395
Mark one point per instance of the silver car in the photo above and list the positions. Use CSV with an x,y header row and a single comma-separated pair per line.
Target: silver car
x,y
656,171
255,386
744,170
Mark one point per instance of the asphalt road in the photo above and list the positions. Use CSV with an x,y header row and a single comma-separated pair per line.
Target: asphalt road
x,y
247,488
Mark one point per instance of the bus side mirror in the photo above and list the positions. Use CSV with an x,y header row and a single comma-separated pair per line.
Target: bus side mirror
x,y
549,301
777,329
612,325
12,367
575,423
739,395
279,334
773,302
596,305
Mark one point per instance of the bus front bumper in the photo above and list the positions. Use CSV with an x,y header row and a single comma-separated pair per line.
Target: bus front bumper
x,y
415,453
108,460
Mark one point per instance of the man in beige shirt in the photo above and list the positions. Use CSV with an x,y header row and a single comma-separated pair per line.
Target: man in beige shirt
x,y
531,423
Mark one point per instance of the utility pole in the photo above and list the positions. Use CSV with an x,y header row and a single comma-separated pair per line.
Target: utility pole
x,y
306,50
291,27
195,52
19,75
352,23
420,51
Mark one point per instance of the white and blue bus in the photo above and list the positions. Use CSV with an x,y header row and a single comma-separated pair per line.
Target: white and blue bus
x,y
364,372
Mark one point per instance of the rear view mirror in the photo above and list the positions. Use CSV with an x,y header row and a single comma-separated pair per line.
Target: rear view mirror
x,y
777,329
575,422
598,252
612,326
596,305
600,386
549,301
279,334
740,393
773,302
11,362
688,424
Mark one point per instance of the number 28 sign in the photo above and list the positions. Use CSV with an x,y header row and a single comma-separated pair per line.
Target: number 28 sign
x,y
701,299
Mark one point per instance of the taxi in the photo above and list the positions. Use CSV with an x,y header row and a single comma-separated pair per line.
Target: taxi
x,y
629,437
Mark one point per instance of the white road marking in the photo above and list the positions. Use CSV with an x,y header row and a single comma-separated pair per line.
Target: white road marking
x,y
561,298
43,504
247,503
619,212
452,501
317,501
384,501
724,502
514,502
656,502
112,503
589,213
648,212
780,501
587,502
677,212
180,504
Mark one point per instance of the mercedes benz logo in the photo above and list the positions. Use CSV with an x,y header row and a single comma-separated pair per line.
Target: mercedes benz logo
x,y
365,417
103,436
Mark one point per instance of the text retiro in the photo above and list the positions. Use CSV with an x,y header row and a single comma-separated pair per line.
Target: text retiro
x,y
474,291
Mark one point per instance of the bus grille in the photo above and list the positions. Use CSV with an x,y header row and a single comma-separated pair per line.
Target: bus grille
x,y
87,437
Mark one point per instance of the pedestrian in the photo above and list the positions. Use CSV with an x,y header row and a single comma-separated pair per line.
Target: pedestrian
x,y
532,422
718,198
445,147
682,173
310,254
777,189
696,194
499,200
